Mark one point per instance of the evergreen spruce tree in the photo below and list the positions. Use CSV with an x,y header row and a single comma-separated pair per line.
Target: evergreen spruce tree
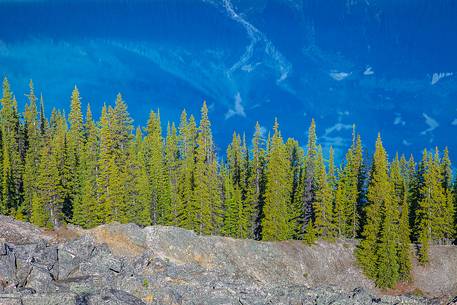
x,y
43,121
275,224
404,244
332,179
103,208
397,180
422,208
237,213
388,266
449,213
310,236
379,196
84,208
446,170
173,173
235,159
398,177
245,172
160,205
187,213
235,220
323,200
61,150
138,188
206,197
432,219
255,188
297,161
117,192
12,165
348,190
75,143
119,141
308,191
32,156
47,202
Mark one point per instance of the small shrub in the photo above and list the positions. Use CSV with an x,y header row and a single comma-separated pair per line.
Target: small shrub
x,y
145,283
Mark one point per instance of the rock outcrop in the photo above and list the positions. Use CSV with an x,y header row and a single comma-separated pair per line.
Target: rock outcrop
x,y
125,264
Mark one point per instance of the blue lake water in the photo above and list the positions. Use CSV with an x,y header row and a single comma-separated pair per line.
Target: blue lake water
x,y
388,66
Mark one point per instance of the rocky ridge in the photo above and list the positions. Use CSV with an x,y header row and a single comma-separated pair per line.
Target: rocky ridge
x,y
126,264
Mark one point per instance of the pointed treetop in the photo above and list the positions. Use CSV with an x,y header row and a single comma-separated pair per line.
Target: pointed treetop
x,y
31,86
354,135
31,96
437,154
331,157
119,98
138,134
153,122
257,126
424,155
276,126
88,112
192,120
183,116
7,94
6,85
380,155
204,120
411,158
312,138
104,111
396,157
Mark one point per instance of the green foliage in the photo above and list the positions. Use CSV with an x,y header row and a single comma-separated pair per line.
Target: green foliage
x,y
277,209
206,196
85,205
256,184
387,265
399,177
435,218
74,147
88,173
32,156
308,188
172,166
323,201
145,283
238,211
378,250
47,202
310,236
187,149
379,193
347,194
155,164
297,162
236,220
12,163
404,243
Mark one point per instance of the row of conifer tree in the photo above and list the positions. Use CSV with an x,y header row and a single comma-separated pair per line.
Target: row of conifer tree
x,y
77,170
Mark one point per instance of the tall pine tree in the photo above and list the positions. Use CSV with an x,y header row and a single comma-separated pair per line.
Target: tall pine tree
x,y
275,224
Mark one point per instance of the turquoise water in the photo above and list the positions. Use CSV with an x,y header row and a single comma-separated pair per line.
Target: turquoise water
x,y
383,65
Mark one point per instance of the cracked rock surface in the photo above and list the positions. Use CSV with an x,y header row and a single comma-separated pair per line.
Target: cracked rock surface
x,y
125,264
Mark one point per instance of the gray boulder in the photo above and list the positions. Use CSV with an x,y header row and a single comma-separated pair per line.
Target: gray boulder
x,y
127,265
